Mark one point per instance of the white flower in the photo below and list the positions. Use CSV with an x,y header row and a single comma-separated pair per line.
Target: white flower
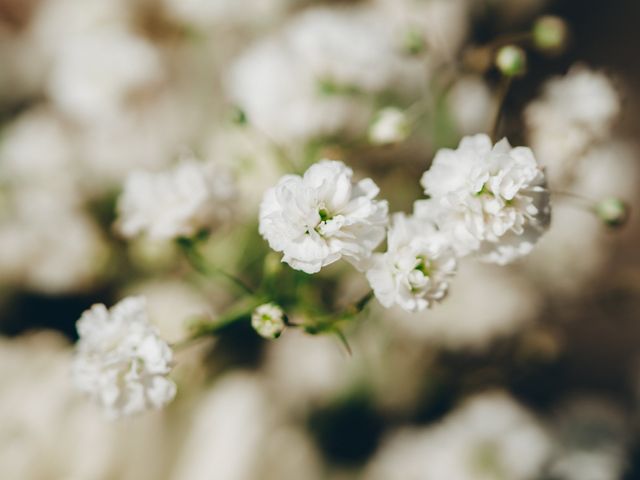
x,y
415,271
316,219
391,125
178,202
121,361
268,320
489,437
490,199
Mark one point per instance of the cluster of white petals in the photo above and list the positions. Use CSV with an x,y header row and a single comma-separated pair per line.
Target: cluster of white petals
x,y
323,216
416,269
179,202
491,200
121,361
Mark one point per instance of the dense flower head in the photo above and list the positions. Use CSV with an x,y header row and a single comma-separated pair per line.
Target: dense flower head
x,y
121,361
415,271
490,199
323,216
178,202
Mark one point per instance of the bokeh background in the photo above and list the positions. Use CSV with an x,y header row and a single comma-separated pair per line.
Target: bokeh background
x,y
529,371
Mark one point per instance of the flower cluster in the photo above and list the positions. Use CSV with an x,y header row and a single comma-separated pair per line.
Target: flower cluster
x,y
483,199
489,199
121,361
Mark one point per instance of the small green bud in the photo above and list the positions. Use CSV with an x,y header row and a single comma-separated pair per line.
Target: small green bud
x,y
550,34
414,43
238,116
511,60
268,320
613,212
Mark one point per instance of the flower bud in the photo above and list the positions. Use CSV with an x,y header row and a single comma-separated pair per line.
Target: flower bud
x,y
414,43
238,116
511,60
550,34
390,126
268,321
613,212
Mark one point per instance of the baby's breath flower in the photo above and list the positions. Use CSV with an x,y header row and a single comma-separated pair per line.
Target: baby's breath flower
x,y
268,320
320,217
490,199
179,202
121,361
415,271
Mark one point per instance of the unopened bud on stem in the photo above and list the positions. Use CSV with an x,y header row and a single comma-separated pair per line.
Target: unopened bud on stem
x,y
511,60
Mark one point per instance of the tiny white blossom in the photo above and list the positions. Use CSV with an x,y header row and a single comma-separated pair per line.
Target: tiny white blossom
x,y
322,216
491,200
268,320
415,271
391,125
178,202
121,361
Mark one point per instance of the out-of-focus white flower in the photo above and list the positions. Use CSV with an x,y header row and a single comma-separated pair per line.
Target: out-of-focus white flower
x,y
177,202
442,24
47,243
490,436
471,103
316,77
268,320
592,437
415,271
320,371
96,75
52,155
206,14
228,431
473,315
389,126
121,361
321,217
569,258
490,199
572,112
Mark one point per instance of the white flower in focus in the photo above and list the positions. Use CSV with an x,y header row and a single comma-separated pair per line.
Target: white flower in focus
x,y
489,437
121,361
268,320
415,271
321,217
178,202
391,125
491,200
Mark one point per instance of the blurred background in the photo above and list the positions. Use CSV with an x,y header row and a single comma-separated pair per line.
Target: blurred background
x,y
531,371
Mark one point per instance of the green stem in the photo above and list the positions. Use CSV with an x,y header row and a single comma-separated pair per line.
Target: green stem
x,y
235,313
200,264
502,96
